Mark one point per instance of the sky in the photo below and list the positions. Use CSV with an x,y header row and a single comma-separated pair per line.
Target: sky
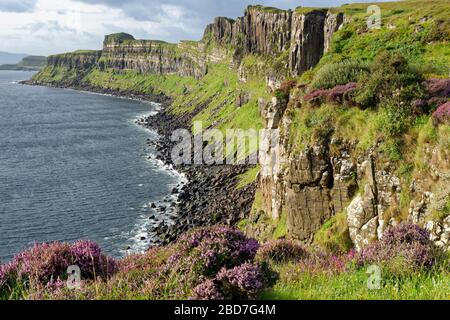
x,y
44,27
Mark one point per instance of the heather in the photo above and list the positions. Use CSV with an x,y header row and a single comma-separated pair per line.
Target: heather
x,y
406,247
201,254
281,250
239,283
186,269
221,263
411,267
442,114
46,265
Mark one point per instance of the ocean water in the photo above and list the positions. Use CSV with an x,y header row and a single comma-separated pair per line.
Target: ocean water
x,y
74,165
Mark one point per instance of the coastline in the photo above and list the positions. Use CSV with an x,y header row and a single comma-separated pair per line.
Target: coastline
x,y
209,196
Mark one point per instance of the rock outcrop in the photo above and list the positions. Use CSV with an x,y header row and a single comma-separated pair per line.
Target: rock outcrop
x,y
268,31
80,60
152,57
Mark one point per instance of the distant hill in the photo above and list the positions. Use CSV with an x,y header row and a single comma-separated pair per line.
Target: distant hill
x,y
11,58
28,63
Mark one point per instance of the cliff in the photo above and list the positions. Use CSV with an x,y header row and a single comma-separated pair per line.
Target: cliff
x,y
304,35
29,63
269,32
146,56
353,160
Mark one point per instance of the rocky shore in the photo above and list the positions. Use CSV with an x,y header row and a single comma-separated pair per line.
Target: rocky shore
x,y
210,196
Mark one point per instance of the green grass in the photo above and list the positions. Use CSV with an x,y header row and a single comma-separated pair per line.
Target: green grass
x,y
170,85
334,235
411,38
281,230
352,285
248,177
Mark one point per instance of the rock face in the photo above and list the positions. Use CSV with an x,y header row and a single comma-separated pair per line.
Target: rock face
x,y
333,22
368,214
80,60
328,177
151,57
306,36
308,41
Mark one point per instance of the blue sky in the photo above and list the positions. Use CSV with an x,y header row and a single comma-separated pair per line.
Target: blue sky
x,y
52,26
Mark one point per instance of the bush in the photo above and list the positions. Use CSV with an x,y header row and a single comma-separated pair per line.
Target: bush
x,y
336,74
437,93
406,246
88,256
208,290
213,248
342,94
239,283
316,97
389,73
438,87
201,254
281,251
47,263
442,114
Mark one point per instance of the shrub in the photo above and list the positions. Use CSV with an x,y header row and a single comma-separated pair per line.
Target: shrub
x,y
342,94
241,282
438,87
281,251
208,290
44,264
336,74
406,246
202,253
388,74
442,114
216,247
88,256
316,97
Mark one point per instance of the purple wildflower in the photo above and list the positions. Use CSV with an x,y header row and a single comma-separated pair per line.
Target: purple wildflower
x,y
407,242
442,114
241,282
438,87
281,251
342,94
207,290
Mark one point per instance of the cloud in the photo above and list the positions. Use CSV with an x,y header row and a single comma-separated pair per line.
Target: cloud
x,y
187,19
17,6
49,26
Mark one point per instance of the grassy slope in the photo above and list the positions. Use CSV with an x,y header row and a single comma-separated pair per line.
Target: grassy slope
x,y
352,285
424,43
